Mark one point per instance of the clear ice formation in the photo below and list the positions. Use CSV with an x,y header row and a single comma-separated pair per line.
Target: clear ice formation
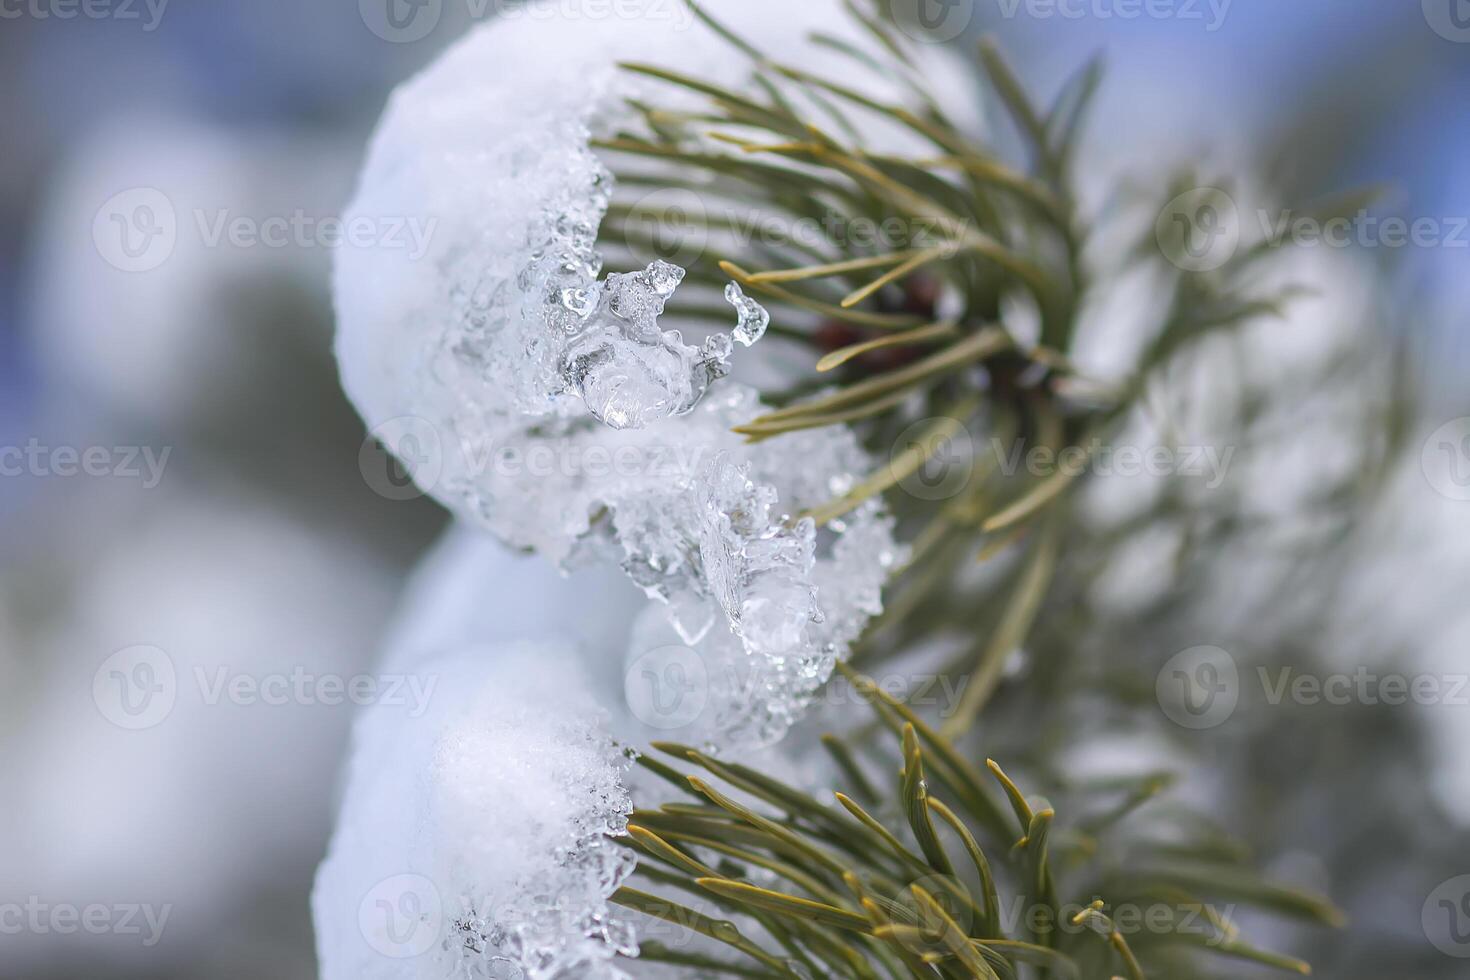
x,y
628,371
555,411
753,317
563,417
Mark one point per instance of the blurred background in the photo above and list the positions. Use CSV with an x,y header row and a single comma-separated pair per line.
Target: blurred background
x,y
183,479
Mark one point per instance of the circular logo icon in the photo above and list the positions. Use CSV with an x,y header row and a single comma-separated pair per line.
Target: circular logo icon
x,y
1450,19
136,688
403,458
1199,688
136,230
402,917
949,464
401,21
1446,459
954,902
667,688
932,21
1446,917
1199,230
672,222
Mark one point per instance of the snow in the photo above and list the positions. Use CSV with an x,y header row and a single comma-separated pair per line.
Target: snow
x,y
550,406
482,827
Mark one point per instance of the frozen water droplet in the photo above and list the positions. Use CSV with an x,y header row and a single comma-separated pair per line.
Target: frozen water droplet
x,y
718,348
753,318
665,277
630,373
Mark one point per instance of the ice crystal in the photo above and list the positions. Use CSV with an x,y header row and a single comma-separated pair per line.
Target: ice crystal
x,y
753,317
549,404
629,372
561,415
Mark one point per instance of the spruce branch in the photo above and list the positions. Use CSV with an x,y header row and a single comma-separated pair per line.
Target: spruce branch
x,y
915,329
